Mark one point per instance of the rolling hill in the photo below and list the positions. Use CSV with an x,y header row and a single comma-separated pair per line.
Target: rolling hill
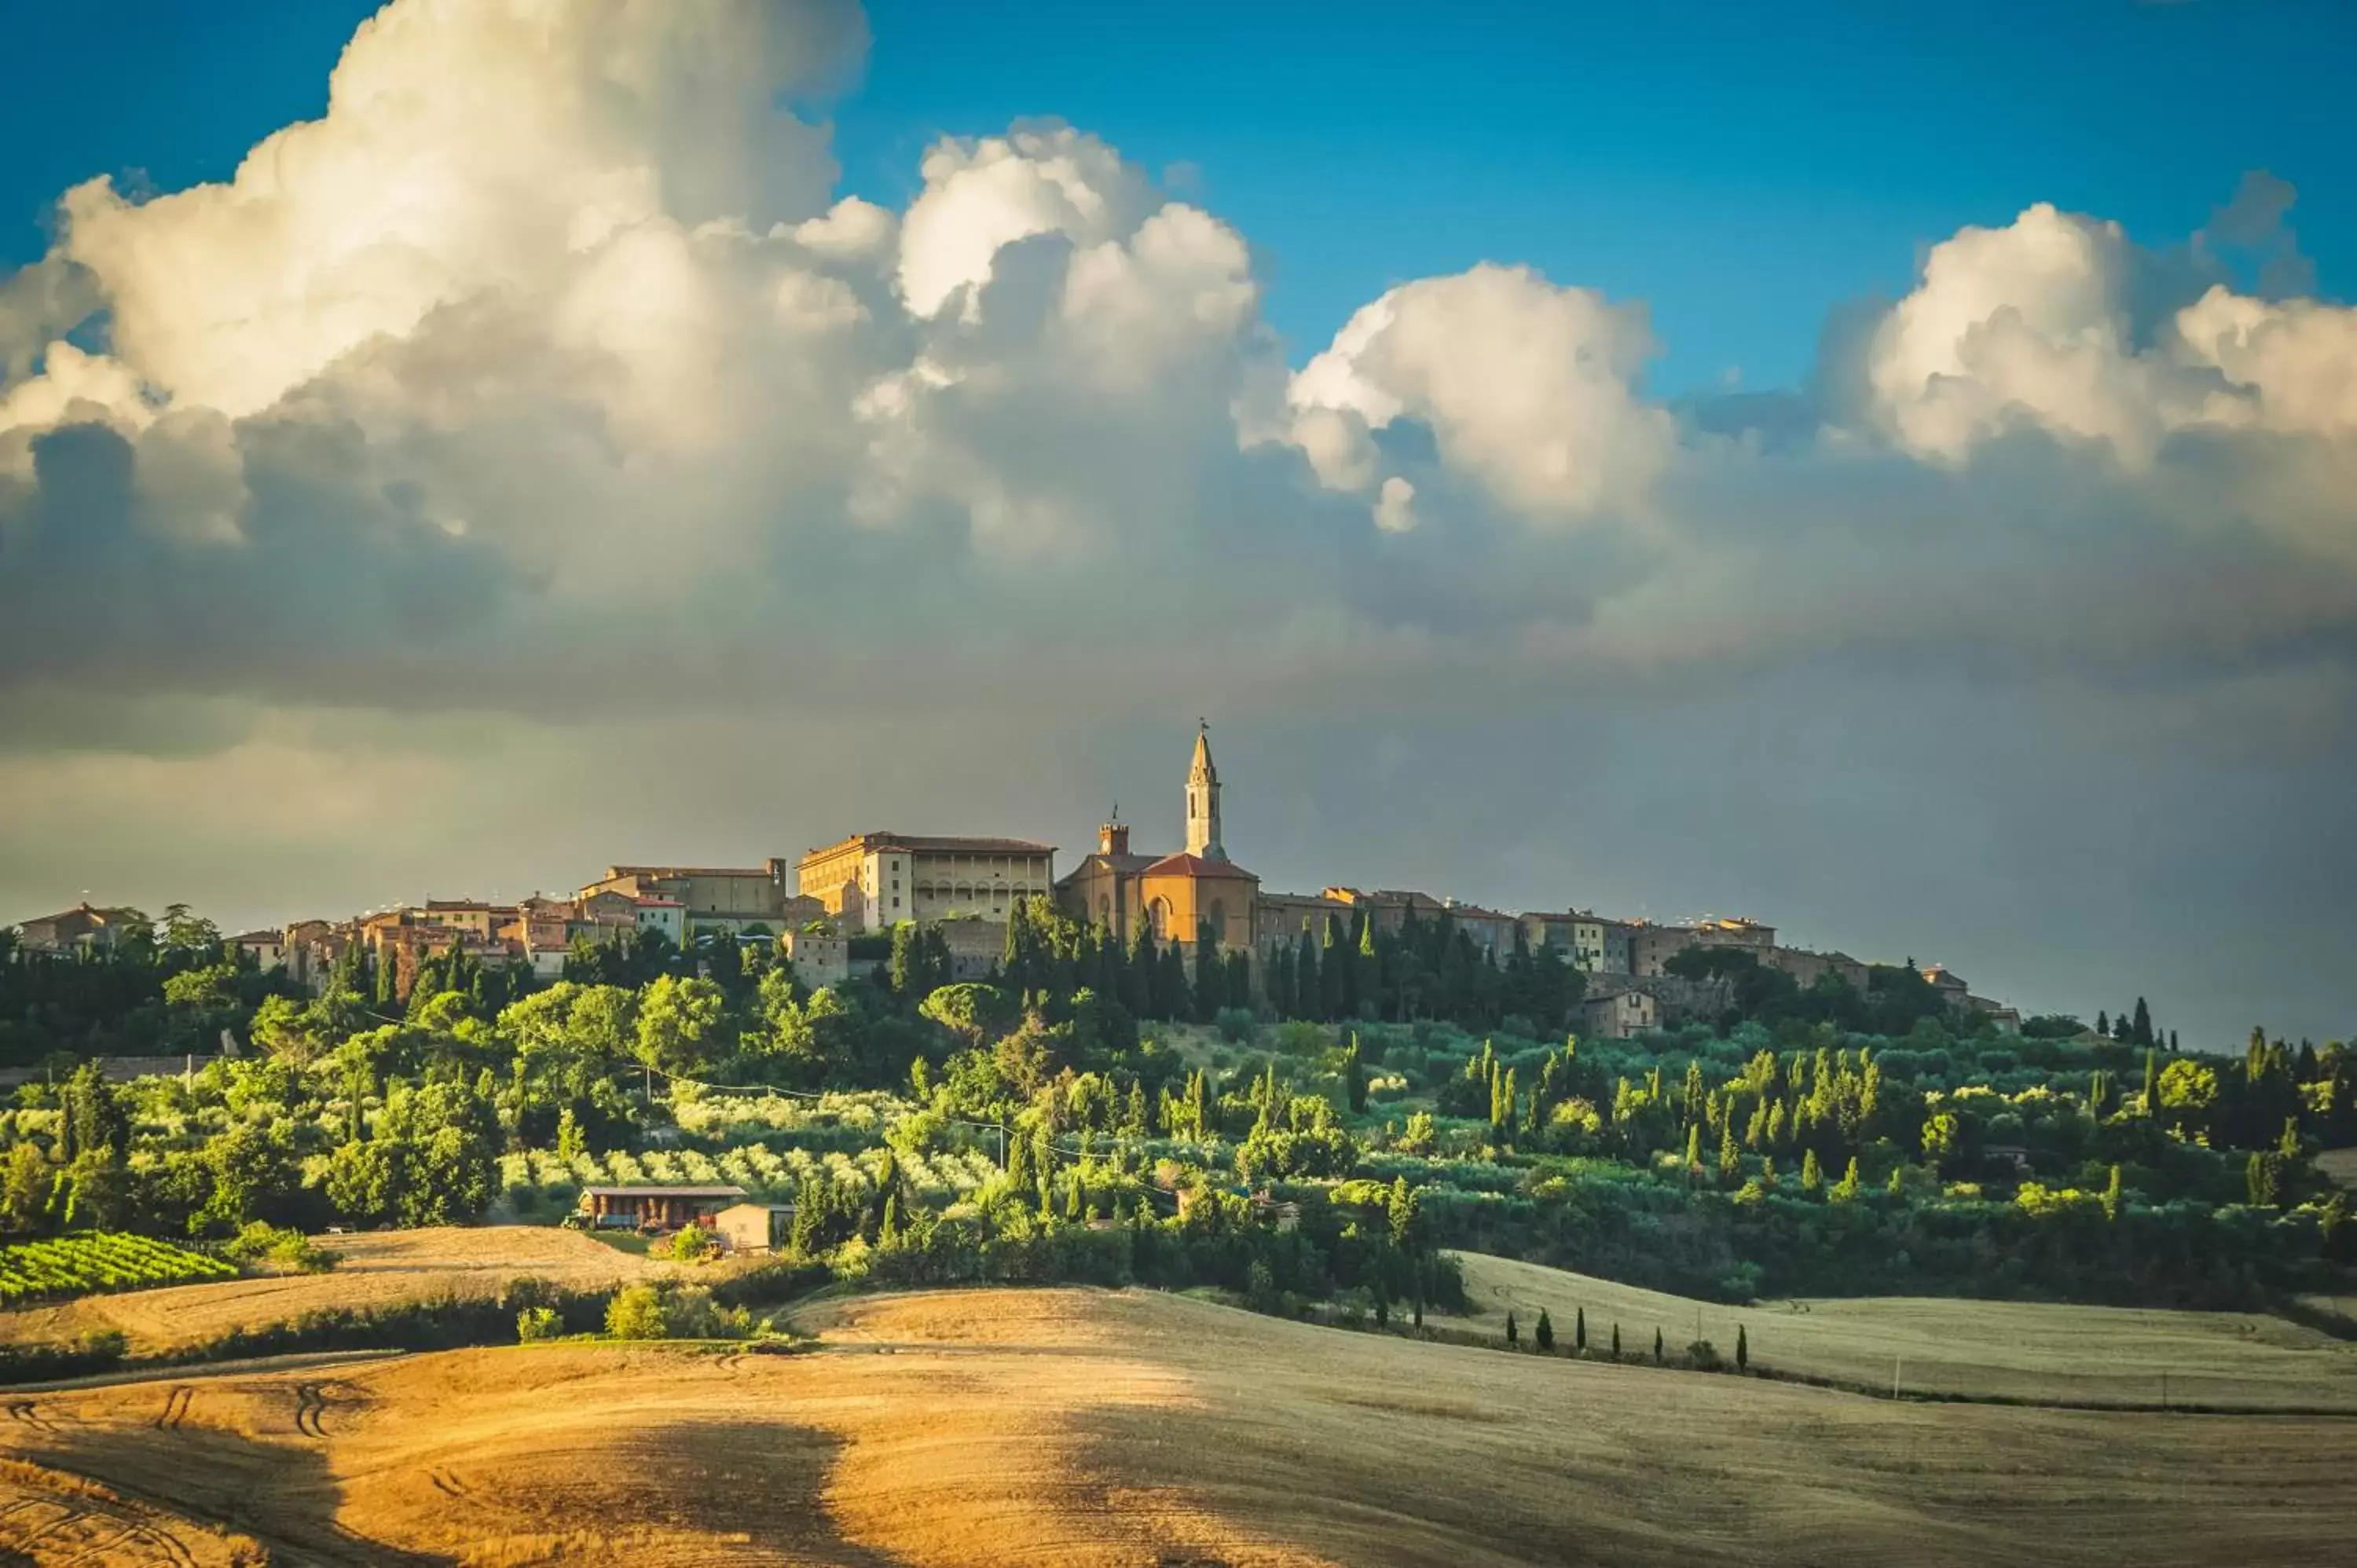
x,y
1066,1427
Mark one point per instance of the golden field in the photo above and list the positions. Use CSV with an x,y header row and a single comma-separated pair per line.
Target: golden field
x,y
377,1269
1068,1427
2001,1349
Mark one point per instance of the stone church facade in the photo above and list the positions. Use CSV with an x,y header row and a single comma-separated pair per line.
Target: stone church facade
x,y
1176,895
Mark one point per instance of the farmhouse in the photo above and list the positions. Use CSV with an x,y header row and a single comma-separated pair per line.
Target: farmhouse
x,y
656,1208
752,1227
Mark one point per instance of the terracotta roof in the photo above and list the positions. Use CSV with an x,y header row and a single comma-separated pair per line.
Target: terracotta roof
x,y
616,873
104,915
683,1191
932,844
1117,863
1184,864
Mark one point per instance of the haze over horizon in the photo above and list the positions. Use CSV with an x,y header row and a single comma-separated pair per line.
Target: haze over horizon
x,y
1566,470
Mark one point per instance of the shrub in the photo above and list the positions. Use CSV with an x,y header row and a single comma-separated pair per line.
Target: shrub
x,y
666,1311
1703,1357
637,1312
280,1248
1236,1026
693,1244
537,1323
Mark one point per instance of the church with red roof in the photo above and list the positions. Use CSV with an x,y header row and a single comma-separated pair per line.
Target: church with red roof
x,y
1181,895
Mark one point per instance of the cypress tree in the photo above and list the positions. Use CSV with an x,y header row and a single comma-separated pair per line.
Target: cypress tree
x,y
2140,1031
2112,1196
1616,1341
1657,1346
1579,1330
2151,1084
1544,1333
2103,1021
1309,1001
1729,1161
1812,1180
1743,1350
1514,1334
1355,1079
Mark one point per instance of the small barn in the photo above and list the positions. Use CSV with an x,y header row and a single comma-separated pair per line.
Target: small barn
x,y
753,1227
655,1208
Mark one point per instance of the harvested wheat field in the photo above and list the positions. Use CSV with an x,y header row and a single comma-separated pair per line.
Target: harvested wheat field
x,y
377,1269
1063,1426
2016,1351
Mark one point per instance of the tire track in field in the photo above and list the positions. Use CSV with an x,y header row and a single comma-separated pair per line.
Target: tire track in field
x,y
176,1408
168,1546
310,1408
449,1484
28,1413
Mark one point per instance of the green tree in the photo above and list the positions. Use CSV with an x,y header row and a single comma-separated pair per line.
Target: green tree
x,y
2112,1196
570,1144
1404,1213
977,1013
1616,1341
1579,1330
679,1023
24,1185
1813,1180
1514,1334
1544,1333
1743,1350
1657,1346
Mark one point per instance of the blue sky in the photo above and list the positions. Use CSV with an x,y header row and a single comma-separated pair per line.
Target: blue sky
x,y
2036,659
1742,168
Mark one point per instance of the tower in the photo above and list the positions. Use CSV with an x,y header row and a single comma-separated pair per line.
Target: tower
x,y
1203,800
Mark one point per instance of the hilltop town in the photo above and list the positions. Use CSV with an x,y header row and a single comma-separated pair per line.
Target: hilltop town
x,y
831,914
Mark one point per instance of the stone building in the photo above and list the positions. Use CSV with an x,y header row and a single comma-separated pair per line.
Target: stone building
x,y
84,927
821,958
1807,968
1618,1015
1177,894
1651,946
740,900
872,882
1281,919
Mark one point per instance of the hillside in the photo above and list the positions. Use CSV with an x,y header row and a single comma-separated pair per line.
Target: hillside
x,y
376,1269
1075,1427
2016,1351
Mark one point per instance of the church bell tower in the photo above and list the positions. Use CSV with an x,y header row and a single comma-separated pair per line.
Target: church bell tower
x,y
1203,800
